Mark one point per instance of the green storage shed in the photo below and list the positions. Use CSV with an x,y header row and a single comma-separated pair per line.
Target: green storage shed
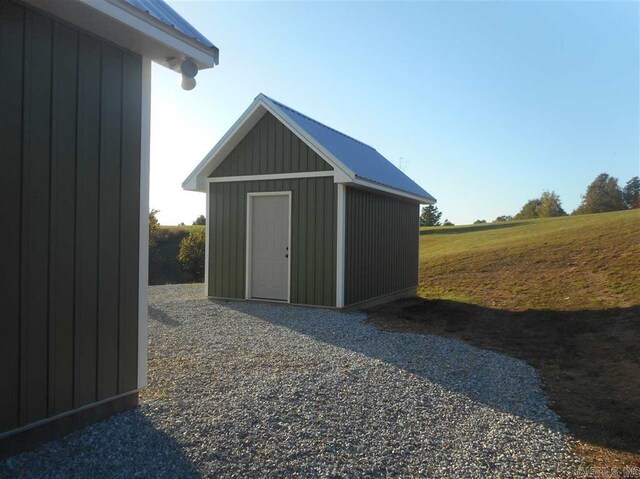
x,y
298,212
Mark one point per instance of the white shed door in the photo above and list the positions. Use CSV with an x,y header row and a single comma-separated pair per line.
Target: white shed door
x,y
270,247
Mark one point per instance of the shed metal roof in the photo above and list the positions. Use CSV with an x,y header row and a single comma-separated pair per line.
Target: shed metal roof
x,y
363,160
159,10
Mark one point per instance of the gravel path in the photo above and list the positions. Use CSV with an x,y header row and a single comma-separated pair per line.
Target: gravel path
x,y
260,390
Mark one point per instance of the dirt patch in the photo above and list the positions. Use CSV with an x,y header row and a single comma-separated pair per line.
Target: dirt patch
x,y
588,362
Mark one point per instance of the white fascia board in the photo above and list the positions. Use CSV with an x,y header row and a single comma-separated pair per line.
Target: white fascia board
x,y
387,189
197,180
169,36
126,26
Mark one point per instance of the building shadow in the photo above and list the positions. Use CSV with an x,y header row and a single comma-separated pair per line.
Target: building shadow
x,y
125,445
156,314
586,361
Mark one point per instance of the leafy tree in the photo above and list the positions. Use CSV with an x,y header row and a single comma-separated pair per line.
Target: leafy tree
x,y
550,205
154,227
200,220
430,216
503,218
447,223
602,195
547,206
529,210
631,193
480,222
191,254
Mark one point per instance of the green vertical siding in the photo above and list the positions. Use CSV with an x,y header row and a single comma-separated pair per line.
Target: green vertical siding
x,y
87,214
62,231
270,148
313,245
11,54
382,241
69,200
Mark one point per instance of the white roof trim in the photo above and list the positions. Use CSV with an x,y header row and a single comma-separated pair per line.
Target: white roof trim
x,y
393,191
126,26
198,179
304,136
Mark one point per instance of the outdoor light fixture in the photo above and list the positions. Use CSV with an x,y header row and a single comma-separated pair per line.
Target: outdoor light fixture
x,y
189,70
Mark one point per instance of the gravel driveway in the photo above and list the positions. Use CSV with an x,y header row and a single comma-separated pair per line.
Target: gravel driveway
x,y
243,389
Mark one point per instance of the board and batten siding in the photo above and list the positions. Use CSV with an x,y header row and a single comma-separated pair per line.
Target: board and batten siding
x,y
313,238
270,148
381,245
69,201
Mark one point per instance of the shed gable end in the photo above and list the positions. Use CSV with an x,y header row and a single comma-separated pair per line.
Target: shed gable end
x,y
270,148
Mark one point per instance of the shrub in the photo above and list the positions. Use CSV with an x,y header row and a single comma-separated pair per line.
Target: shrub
x,y
191,254
155,259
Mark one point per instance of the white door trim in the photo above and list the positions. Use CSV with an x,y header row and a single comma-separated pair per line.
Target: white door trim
x,y
247,279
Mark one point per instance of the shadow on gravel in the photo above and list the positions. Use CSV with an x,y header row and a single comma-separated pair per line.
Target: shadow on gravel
x,y
500,382
125,445
156,314
587,359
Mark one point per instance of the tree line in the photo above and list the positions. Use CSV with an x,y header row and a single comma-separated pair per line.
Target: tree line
x,y
603,194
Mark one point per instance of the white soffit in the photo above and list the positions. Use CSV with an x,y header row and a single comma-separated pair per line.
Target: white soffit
x,y
128,27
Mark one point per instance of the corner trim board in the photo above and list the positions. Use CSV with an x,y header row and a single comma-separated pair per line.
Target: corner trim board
x,y
143,253
340,244
206,242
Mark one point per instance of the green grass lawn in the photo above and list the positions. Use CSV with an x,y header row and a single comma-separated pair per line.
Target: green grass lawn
x,y
575,262
562,294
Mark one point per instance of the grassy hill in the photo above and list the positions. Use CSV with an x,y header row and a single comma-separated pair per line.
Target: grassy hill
x,y
562,294
575,262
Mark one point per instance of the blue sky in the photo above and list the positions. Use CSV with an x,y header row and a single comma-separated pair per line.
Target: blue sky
x,y
485,104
